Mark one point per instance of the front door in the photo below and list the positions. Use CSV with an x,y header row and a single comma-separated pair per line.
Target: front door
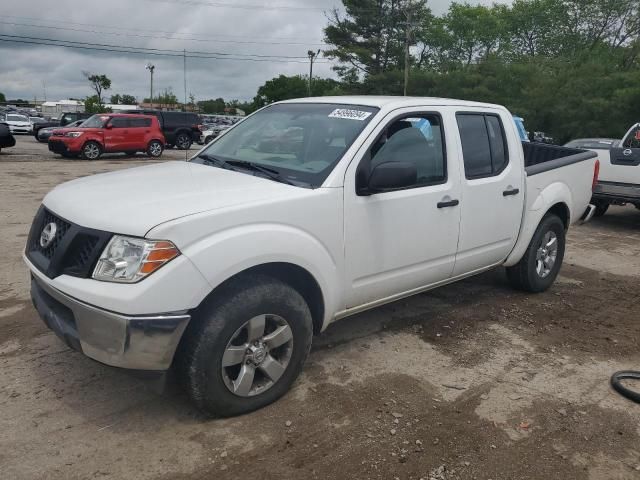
x,y
493,192
402,240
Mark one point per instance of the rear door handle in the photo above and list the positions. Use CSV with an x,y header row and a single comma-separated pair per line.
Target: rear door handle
x,y
513,191
449,203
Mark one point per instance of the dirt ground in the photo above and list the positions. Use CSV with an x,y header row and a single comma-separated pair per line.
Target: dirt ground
x,y
470,381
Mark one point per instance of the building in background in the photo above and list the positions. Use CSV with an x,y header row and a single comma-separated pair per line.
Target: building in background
x,y
62,106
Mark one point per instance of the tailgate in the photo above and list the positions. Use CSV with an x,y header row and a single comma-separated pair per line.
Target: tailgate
x,y
617,167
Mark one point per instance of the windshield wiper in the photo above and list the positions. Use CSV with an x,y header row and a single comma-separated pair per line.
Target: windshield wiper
x,y
215,161
271,173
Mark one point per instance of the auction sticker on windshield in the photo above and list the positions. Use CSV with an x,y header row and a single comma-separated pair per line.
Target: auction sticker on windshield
x,y
349,114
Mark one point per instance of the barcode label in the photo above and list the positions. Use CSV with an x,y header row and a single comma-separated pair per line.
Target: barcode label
x,y
349,114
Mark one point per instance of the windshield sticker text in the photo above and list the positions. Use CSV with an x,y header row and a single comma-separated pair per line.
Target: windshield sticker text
x,y
349,114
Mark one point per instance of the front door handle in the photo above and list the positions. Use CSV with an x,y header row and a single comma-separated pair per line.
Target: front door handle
x,y
513,191
449,203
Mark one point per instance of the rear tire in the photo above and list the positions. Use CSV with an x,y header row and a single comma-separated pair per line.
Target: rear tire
x,y
601,208
154,149
91,150
183,141
222,324
539,266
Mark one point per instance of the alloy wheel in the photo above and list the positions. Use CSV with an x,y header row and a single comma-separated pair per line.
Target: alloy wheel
x,y
547,254
257,355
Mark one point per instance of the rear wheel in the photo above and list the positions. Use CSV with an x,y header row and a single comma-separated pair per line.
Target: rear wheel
x,y
183,141
154,149
246,345
539,266
91,151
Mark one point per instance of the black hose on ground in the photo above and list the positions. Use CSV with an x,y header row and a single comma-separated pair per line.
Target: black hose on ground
x,y
621,389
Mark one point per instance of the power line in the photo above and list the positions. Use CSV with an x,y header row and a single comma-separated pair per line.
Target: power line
x,y
148,49
161,37
135,50
241,6
58,21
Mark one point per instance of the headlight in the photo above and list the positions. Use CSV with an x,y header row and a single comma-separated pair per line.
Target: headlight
x,y
130,259
73,134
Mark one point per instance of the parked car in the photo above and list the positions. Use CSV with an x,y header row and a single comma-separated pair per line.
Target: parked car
x,y
69,117
541,137
6,138
181,129
593,143
109,133
212,132
224,266
43,134
18,123
619,181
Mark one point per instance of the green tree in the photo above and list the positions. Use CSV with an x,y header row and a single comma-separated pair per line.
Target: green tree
x,y
212,106
92,104
123,99
2,97
99,83
284,88
370,37
166,97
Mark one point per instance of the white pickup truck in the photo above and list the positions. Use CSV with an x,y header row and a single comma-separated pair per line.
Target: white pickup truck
x,y
619,180
308,211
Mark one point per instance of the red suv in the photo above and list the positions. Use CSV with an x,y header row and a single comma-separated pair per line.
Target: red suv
x,y
106,133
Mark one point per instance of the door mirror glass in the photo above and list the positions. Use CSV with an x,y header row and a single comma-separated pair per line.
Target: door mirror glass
x,y
391,176
108,126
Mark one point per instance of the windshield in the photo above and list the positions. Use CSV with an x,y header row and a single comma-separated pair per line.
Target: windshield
x,y
302,142
96,121
17,118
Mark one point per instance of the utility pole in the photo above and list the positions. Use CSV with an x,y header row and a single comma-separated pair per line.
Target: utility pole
x,y
151,68
312,57
409,14
184,71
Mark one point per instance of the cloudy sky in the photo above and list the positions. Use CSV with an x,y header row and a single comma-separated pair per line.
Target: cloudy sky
x,y
235,29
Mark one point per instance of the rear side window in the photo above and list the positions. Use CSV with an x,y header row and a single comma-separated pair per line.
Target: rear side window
x,y
180,118
484,147
119,122
140,122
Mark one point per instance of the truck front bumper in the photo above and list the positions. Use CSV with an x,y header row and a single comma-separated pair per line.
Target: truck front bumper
x,y
135,342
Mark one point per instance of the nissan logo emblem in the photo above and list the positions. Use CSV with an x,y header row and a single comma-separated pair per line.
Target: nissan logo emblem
x,y
48,234
626,152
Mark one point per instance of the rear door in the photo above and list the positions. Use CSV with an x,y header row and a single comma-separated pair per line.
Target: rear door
x,y
492,189
139,128
116,139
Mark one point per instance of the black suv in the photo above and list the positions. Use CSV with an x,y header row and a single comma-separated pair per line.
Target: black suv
x,y
180,128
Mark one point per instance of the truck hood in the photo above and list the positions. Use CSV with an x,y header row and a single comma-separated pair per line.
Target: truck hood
x,y
135,200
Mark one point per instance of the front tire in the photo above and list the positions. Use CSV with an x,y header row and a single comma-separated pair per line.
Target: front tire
x,y
539,266
154,149
246,345
91,151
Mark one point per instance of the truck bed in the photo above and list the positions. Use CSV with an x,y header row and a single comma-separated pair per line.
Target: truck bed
x,y
540,157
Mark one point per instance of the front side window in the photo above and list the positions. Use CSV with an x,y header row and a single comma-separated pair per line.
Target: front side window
x,y
484,147
416,139
301,142
633,139
96,121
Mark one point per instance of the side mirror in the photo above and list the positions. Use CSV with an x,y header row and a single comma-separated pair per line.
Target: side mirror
x,y
108,126
391,176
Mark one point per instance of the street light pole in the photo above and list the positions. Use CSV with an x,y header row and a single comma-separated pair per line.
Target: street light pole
x,y
312,55
151,68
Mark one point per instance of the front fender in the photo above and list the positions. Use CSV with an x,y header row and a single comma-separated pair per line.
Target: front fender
x,y
539,202
229,252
